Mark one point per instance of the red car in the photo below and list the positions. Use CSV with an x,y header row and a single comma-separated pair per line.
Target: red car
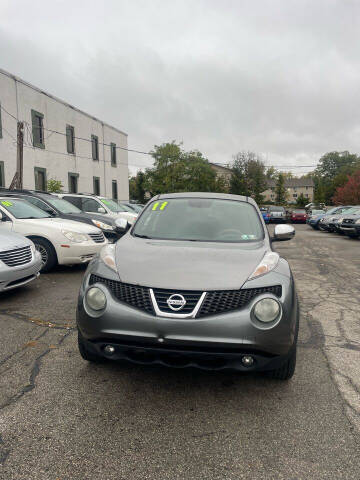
x,y
298,216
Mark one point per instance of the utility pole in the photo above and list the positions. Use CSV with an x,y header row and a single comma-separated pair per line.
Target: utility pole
x,y
17,181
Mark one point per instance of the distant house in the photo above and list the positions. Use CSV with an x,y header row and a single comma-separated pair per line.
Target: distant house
x,y
222,171
294,186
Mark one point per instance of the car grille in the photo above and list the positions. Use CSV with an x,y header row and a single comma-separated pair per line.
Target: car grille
x,y
191,297
215,302
134,295
227,300
18,256
348,221
97,237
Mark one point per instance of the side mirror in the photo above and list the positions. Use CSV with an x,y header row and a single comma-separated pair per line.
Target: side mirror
x,y
283,232
101,210
122,225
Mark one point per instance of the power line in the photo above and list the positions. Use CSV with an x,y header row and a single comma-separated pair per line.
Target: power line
x,y
11,115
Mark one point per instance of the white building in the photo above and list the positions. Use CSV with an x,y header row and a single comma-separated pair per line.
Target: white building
x,y
84,155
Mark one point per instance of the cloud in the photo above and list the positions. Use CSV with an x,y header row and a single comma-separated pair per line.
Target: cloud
x,y
277,77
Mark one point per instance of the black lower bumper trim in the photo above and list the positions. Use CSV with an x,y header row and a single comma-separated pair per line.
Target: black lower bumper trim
x,y
185,358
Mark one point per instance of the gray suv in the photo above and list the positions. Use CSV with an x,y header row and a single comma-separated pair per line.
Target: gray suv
x,y
193,283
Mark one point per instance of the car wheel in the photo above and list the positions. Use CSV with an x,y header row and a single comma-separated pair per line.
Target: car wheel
x,y
286,371
86,353
47,252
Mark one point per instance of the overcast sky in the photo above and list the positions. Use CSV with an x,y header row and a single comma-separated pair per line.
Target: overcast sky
x,y
281,78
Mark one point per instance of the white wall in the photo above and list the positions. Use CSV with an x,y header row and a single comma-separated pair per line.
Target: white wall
x,y
54,157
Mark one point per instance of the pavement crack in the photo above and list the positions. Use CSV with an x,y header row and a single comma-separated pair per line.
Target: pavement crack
x,y
23,347
33,374
36,321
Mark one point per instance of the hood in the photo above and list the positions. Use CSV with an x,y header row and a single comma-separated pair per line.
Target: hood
x,y
110,220
10,240
187,265
62,224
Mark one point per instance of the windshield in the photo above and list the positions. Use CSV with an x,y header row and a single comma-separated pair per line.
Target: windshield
x,y
200,219
62,205
352,210
317,212
22,209
113,206
276,209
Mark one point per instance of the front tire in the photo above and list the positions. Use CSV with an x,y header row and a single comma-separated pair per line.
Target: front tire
x,y
47,252
86,353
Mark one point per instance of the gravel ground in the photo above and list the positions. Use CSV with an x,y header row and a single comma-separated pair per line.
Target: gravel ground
x,y
63,419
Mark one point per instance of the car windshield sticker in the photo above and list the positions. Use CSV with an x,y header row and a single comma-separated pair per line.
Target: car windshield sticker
x,y
105,201
162,207
6,203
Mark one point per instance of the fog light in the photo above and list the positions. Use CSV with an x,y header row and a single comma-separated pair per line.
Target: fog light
x,y
247,361
267,310
109,349
96,298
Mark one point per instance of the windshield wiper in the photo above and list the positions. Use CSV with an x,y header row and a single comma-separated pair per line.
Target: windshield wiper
x,y
141,236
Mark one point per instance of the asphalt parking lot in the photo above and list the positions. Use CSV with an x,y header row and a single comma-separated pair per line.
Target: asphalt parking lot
x,y
61,418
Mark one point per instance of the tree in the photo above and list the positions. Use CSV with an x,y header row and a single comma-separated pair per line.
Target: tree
x,y
332,172
178,171
54,186
271,173
349,194
248,176
301,200
280,190
137,188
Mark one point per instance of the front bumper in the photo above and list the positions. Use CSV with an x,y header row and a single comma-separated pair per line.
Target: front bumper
x,y
213,342
14,277
351,230
79,252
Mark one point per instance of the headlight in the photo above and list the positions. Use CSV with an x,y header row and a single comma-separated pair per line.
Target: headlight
x,y
95,298
357,221
75,236
107,255
102,225
267,310
268,263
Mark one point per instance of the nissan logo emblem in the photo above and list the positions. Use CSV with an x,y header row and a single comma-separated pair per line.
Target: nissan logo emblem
x,y
176,302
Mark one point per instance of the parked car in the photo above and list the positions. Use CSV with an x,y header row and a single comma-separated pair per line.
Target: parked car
x,y
20,262
350,225
323,223
99,205
276,214
59,207
59,241
313,218
265,214
298,216
136,207
150,299
333,224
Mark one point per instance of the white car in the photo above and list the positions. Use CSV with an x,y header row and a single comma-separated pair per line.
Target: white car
x,y
100,205
59,241
20,262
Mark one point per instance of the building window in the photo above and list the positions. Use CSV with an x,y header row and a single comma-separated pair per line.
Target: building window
x,y
38,129
70,139
0,123
40,179
95,147
2,175
295,195
96,184
306,195
73,182
114,190
113,154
